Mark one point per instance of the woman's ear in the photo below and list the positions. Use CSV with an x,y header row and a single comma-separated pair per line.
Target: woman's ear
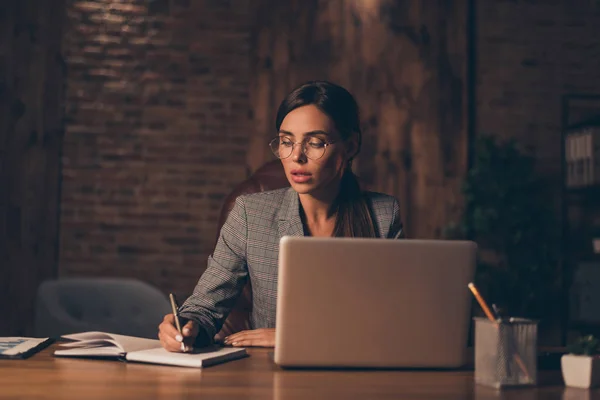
x,y
352,146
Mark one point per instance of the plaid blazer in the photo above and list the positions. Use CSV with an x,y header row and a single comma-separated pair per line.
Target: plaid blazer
x,y
248,248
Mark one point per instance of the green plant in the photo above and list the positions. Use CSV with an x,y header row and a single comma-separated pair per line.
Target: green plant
x,y
510,214
586,345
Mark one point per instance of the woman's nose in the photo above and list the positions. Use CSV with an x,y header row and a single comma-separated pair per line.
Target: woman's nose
x,y
298,153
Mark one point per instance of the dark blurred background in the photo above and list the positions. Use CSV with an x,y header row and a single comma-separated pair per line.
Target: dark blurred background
x,y
124,124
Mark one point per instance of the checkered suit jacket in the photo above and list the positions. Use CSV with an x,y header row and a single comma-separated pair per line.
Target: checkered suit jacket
x,y
248,248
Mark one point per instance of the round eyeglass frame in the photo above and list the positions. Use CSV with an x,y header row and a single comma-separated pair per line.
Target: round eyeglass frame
x,y
275,148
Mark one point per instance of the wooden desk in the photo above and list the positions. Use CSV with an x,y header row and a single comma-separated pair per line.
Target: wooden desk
x,y
255,377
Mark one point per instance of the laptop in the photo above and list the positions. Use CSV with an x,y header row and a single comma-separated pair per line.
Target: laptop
x,y
363,302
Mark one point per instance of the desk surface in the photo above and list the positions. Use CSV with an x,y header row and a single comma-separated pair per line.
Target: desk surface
x,y
254,377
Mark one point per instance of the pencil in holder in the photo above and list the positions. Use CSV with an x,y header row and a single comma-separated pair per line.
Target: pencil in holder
x,y
505,352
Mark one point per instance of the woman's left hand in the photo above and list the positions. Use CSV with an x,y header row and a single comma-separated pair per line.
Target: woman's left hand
x,y
254,338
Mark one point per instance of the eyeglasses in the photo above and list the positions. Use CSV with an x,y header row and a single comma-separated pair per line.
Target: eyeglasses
x,y
313,147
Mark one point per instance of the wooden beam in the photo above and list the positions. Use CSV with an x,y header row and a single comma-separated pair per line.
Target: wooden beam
x,y
31,126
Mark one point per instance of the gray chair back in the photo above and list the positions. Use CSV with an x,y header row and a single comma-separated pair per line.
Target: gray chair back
x,y
115,305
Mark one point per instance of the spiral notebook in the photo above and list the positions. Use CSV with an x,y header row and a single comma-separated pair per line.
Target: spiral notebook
x,y
130,348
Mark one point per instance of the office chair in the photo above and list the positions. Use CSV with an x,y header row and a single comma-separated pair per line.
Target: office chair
x,y
116,305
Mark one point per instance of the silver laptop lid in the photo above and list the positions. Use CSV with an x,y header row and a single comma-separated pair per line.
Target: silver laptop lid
x,y
373,302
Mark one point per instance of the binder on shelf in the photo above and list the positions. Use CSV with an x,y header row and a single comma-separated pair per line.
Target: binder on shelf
x,y
582,156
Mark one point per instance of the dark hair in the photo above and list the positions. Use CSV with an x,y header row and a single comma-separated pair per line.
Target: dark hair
x,y
353,214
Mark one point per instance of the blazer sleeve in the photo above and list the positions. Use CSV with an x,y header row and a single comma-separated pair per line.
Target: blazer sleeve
x,y
226,274
396,225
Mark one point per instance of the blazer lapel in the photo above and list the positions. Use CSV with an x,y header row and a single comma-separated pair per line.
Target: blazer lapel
x,y
290,223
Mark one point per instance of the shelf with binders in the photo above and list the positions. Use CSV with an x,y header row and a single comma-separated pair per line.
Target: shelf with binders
x,y
584,262
583,236
582,157
588,193
581,225
584,301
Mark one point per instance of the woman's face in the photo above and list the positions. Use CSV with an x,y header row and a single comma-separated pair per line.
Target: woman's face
x,y
320,176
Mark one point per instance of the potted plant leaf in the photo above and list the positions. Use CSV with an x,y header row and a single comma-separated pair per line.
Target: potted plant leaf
x,y
581,365
510,214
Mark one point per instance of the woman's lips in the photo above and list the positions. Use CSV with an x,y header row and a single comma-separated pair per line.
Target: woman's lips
x,y
301,176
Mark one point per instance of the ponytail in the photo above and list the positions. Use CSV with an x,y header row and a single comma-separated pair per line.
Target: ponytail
x,y
353,212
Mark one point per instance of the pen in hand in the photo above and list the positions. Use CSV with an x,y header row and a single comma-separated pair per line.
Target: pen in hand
x,y
176,317
399,234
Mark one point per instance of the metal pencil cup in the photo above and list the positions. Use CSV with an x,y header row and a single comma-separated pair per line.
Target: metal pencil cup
x,y
505,352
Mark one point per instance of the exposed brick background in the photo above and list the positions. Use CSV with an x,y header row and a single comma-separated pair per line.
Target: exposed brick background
x,y
530,53
169,102
157,127
165,99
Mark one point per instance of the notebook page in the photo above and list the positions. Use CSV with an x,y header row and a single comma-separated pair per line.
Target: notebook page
x,y
103,339
90,352
91,343
130,343
201,358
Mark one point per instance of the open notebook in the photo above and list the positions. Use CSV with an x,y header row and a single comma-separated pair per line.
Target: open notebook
x,y
102,344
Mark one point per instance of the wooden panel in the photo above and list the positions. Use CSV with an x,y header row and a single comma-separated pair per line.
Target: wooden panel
x,y
31,80
405,62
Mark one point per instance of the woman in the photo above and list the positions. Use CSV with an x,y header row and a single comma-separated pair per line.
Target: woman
x,y
318,136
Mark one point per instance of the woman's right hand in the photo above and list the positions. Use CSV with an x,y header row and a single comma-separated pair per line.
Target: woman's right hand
x,y
170,338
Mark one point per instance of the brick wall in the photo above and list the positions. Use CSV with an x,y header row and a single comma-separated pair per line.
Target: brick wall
x,y
156,135
159,121
528,55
